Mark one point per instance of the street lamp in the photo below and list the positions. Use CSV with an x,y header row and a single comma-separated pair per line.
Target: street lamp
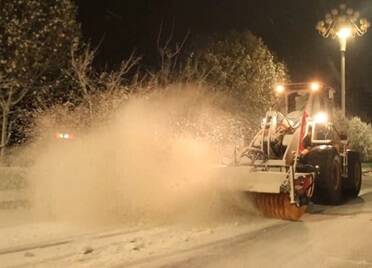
x,y
342,23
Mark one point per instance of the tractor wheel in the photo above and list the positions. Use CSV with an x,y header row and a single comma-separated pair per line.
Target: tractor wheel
x,y
354,180
330,174
334,180
328,184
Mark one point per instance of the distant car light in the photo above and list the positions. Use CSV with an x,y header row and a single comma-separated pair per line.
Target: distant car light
x,y
64,136
321,118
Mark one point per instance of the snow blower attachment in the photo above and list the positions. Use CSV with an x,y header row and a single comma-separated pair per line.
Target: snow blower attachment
x,y
297,156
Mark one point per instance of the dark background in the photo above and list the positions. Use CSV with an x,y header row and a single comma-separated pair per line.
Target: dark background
x,y
287,27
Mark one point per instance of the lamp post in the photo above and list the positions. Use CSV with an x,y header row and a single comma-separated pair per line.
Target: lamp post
x,y
342,23
343,34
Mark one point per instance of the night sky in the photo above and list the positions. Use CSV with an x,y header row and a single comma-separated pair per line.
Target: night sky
x,y
287,27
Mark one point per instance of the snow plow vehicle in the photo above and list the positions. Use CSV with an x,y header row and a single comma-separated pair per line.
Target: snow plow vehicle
x,y
298,156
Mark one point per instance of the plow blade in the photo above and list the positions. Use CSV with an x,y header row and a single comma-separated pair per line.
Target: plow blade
x,y
265,186
242,178
278,206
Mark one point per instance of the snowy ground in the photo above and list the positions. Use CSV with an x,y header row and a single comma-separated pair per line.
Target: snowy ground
x,y
326,237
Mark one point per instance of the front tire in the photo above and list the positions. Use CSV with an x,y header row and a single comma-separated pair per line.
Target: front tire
x,y
333,180
328,184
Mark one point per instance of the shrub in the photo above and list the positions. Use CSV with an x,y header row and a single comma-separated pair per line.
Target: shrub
x,y
359,134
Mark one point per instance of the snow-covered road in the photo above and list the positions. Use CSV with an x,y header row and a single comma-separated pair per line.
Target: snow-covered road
x,y
326,237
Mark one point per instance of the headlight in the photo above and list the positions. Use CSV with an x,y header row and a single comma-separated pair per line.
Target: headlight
x,y
279,89
314,86
321,118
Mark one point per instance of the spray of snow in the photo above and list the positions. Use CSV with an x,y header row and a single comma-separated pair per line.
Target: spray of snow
x,y
153,160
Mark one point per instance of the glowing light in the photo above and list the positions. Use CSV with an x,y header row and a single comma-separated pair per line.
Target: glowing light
x,y
344,33
64,136
321,118
279,89
314,86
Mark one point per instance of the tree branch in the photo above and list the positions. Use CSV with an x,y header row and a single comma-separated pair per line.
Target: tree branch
x,y
20,97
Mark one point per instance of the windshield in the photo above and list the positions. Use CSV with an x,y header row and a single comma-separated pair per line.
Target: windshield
x,y
297,101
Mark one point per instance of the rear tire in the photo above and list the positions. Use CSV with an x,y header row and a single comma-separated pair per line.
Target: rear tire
x,y
353,182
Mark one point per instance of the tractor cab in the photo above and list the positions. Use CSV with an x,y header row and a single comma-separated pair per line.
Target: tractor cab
x,y
311,104
296,98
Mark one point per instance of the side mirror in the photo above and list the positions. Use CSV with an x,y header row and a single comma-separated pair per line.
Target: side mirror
x,y
331,94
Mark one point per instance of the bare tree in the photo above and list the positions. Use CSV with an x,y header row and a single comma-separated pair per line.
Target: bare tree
x,y
117,79
34,37
89,82
169,55
10,96
84,74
